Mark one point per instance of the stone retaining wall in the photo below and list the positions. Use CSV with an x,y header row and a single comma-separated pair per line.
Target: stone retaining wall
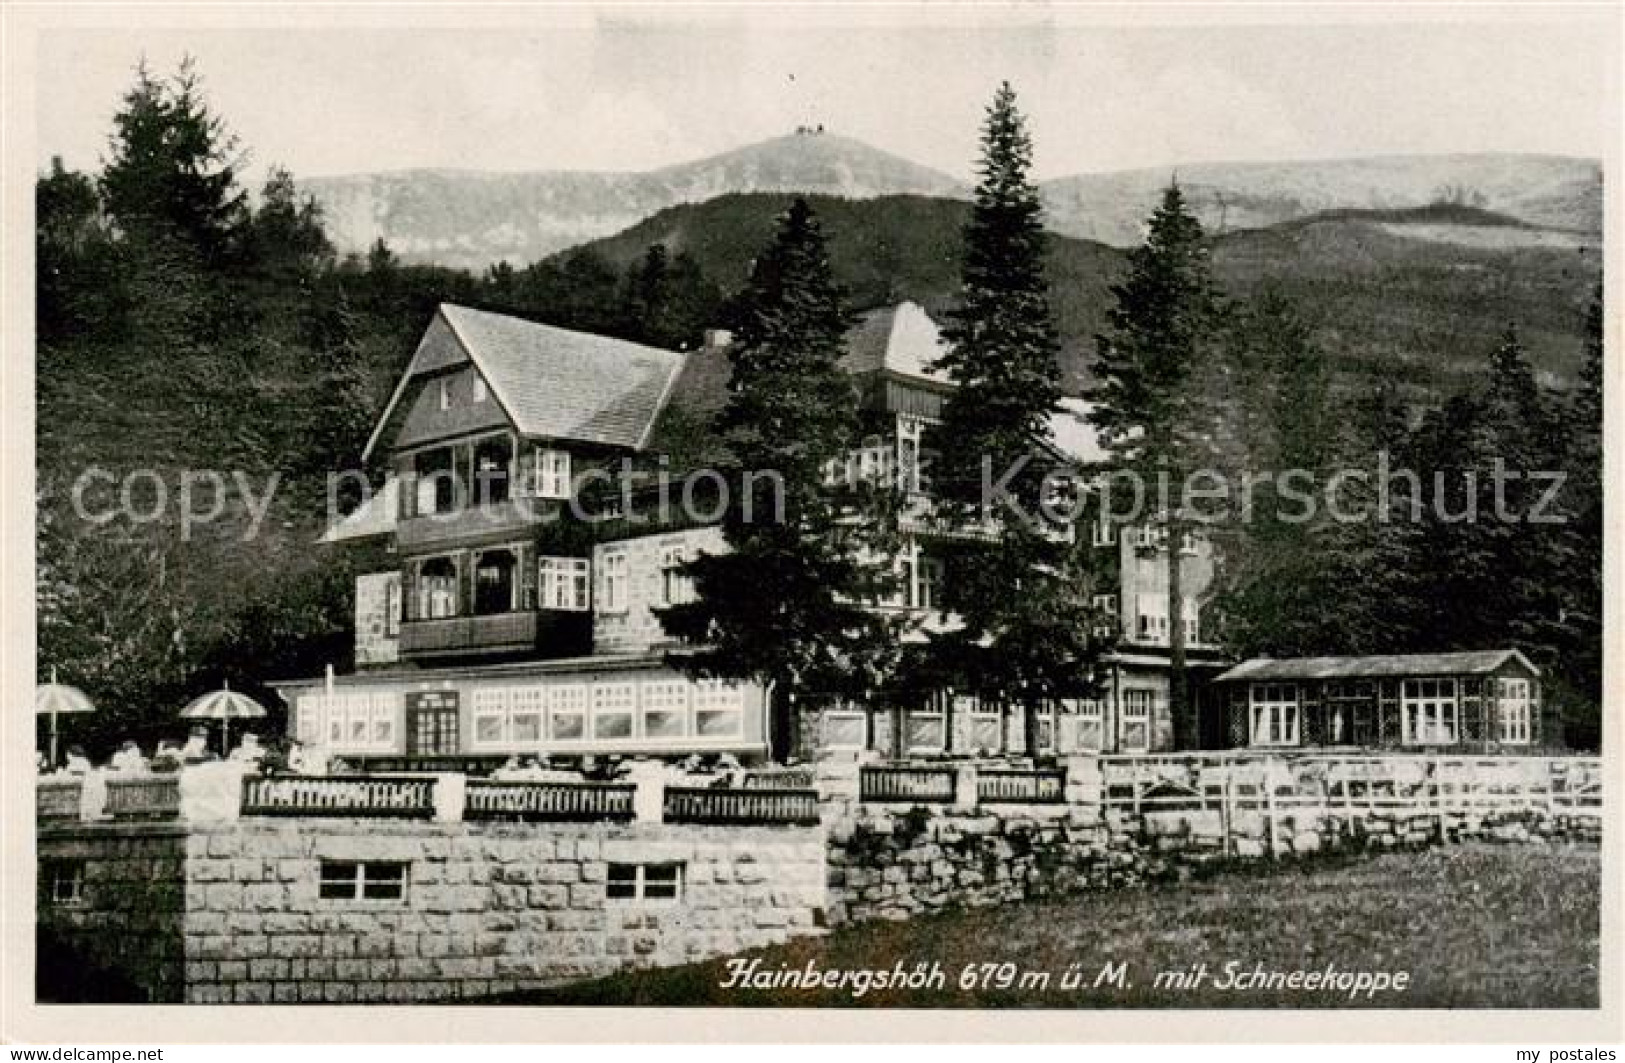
x,y
231,912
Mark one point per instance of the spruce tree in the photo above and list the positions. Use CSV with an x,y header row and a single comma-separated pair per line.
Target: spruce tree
x,y
174,167
1027,630
1154,393
785,605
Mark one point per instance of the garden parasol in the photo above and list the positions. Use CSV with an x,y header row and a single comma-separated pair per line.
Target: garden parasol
x,y
224,705
54,699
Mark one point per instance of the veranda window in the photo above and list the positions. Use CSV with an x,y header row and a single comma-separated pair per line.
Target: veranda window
x,y
1136,722
665,709
845,727
1514,712
1430,708
567,712
719,710
926,731
612,707
1275,714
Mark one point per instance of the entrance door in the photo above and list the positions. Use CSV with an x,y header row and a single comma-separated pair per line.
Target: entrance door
x,y
431,723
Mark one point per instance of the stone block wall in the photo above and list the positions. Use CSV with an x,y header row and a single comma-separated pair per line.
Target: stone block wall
x,y
130,914
489,908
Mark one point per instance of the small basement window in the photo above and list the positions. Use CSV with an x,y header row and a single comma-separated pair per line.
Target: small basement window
x,y
363,880
63,881
653,883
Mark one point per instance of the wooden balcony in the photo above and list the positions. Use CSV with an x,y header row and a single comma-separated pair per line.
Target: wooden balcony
x,y
554,634
472,523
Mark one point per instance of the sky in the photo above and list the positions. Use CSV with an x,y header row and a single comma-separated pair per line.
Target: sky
x,y
629,90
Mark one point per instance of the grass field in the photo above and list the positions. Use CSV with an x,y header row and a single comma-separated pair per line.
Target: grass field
x,y
1472,926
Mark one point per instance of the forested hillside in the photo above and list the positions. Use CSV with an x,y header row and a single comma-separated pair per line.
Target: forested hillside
x,y
191,328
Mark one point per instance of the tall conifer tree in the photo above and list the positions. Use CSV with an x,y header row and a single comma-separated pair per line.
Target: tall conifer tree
x,y
1155,394
786,604
1027,626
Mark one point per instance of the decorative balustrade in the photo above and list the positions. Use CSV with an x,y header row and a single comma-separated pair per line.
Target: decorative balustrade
x,y
308,795
709,805
58,799
780,779
144,797
906,784
548,801
1010,786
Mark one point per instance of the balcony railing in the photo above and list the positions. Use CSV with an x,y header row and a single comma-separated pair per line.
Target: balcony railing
x,y
461,634
710,805
548,801
305,795
516,514
144,797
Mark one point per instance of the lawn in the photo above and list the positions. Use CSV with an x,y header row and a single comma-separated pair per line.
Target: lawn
x,y
1470,926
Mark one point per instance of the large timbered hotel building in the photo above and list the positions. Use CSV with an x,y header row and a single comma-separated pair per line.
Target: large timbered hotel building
x,y
514,604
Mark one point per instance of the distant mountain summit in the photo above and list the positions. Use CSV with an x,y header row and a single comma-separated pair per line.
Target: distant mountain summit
x,y
472,219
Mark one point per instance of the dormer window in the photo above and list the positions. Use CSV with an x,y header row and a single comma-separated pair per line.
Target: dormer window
x,y
445,393
480,391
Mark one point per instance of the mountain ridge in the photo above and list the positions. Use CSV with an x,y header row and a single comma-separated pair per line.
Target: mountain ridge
x,y
474,218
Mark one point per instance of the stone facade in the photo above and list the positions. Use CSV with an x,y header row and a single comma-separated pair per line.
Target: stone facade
x,y
233,912
377,635
634,627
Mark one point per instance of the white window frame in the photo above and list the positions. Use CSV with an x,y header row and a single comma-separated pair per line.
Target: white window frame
x,y
615,878
64,881
565,584
933,715
552,472
1102,532
1514,711
358,881
1274,714
611,701
666,696
929,575
567,701
614,578
716,698
361,721
445,393
1430,716
982,716
1151,618
479,392
1139,709
833,721
1090,711
676,587
1107,603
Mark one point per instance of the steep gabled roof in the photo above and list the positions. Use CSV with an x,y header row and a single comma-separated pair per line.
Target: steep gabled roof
x,y
555,383
901,339
1384,666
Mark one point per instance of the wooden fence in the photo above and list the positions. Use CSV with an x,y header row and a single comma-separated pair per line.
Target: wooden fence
x,y
144,797
906,784
309,795
1440,791
548,801
714,805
